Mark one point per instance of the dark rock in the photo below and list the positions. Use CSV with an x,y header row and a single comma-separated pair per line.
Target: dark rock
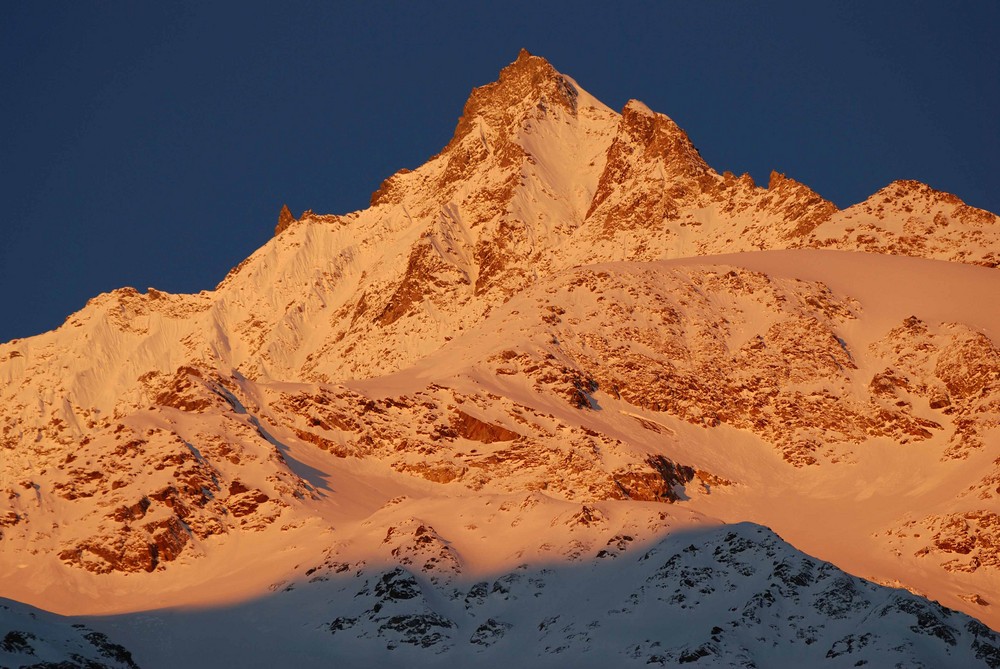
x,y
418,629
110,650
17,642
342,623
490,632
397,585
285,219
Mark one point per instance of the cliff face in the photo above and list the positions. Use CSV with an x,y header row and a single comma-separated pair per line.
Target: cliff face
x,y
539,312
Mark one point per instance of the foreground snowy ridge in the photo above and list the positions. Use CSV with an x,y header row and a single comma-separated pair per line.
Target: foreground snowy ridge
x,y
524,351
731,596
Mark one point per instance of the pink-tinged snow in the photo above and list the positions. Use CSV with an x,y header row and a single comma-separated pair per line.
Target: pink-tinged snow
x,y
304,315
832,511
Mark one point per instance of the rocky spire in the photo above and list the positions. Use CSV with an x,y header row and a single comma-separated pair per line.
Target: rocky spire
x,y
285,219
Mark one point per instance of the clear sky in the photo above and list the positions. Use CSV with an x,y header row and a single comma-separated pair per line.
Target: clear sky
x,y
152,144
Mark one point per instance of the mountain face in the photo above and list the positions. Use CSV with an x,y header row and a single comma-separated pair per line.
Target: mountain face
x,y
562,339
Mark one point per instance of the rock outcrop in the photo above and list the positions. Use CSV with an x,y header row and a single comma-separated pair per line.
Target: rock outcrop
x,y
285,219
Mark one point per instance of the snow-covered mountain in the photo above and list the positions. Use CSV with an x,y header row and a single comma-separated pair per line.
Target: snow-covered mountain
x,y
563,338
33,638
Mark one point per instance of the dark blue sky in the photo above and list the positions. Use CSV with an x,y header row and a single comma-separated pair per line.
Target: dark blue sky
x,y
152,144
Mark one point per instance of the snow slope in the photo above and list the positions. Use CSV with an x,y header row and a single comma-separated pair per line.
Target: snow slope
x,y
33,638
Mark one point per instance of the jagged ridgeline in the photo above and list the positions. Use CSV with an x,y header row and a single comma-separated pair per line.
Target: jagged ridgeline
x,y
517,409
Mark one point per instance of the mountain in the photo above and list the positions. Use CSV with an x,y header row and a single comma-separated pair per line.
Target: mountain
x,y
563,330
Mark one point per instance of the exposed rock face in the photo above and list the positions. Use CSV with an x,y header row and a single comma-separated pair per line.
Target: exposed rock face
x,y
796,202
954,369
665,482
426,273
429,436
150,493
472,428
652,171
141,548
792,382
970,540
528,80
285,219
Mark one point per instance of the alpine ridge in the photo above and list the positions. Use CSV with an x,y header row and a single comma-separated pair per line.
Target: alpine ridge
x,y
559,382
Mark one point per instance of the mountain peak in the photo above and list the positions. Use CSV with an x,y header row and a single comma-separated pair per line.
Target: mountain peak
x,y
526,59
660,136
493,118
636,107
528,73
530,82
910,188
